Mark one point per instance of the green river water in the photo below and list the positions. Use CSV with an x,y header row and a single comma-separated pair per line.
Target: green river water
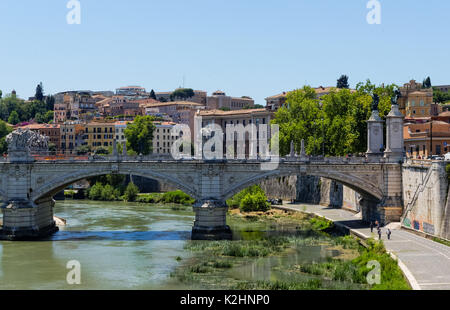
x,y
124,246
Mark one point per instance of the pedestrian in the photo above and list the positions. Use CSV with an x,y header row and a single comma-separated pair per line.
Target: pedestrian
x,y
377,224
389,233
379,233
371,226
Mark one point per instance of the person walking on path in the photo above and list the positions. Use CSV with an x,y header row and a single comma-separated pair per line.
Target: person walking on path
x,y
389,233
379,233
377,224
371,226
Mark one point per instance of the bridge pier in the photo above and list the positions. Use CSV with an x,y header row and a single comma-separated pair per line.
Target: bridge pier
x,y
211,221
24,220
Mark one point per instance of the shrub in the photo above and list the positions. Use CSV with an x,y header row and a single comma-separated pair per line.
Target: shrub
x,y
95,192
235,201
254,202
177,197
131,192
108,193
69,194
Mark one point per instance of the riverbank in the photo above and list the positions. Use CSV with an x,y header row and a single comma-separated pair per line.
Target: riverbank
x,y
426,263
285,250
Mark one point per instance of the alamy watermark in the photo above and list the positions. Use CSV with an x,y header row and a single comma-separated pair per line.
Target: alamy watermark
x,y
374,15
251,141
74,275
374,276
73,17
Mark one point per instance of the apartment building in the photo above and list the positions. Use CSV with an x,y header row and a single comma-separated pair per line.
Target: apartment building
x,y
99,134
219,100
425,139
162,138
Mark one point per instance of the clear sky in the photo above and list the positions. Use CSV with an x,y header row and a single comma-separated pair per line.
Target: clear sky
x,y
244,47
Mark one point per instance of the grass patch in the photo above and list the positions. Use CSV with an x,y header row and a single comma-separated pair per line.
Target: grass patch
x,y
439,240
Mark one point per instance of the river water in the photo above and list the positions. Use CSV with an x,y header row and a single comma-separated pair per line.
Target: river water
x,y
118,246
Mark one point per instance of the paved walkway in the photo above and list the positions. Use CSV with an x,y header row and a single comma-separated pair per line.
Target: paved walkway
x,y
425,263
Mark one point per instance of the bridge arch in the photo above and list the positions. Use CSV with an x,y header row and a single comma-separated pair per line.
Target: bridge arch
x,y
56,185
356,183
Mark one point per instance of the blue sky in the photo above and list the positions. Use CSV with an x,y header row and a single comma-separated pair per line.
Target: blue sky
x,y
244,47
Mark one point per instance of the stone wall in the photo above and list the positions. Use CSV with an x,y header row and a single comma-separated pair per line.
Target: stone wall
x,y
425,194
280,188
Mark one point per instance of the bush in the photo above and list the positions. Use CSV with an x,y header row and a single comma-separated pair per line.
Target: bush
x,y
131,192
69,194
108,193
149,198
254,202
95,192
235,201
177,197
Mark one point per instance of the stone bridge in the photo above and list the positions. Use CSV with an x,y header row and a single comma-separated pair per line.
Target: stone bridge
x,y
28,184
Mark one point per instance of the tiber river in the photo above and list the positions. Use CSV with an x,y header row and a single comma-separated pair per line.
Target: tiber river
x,y
119,246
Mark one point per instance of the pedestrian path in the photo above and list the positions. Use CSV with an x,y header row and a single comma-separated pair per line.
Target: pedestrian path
x,y
424,262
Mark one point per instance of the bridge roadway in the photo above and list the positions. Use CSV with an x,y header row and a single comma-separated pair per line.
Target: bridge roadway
x,y
425,263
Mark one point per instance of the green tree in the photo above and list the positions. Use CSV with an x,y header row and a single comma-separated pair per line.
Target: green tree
x,y
1,94
182,93
426,83
95,192
152,94
13,118
300,118
131,192
342,82
4,131
50,102
139,134
39,92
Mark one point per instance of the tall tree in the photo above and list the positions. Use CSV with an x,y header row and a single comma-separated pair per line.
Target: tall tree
x,y
152,94
50,103
4,131
139,134
342,82
427,83
39,92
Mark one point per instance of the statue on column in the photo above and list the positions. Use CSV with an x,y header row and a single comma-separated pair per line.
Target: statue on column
x,y
395,97
375,102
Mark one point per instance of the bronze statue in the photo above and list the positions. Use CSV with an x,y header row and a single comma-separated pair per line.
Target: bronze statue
x,y
394,98
376,102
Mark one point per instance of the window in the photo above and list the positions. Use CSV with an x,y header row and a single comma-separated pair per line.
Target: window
x,y
413,103
422,103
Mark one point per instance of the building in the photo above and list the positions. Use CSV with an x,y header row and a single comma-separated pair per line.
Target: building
x,y
418,139
162,138
244,117
52,131
76,106
131,91
120,127
416,101
71,137
180,112
219,100
443,88
99,134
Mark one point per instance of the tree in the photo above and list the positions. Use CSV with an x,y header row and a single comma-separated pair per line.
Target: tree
x,y
139,134
131,192
50,103
152,94
4,131
13,118
182,93
427,83
342,82
39,92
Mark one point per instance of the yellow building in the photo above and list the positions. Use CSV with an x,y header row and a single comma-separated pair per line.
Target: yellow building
x,y
416,101
99,134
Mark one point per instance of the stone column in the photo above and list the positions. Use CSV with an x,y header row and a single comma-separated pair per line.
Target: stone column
x,y
23,220
394,135
211,221
375,140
